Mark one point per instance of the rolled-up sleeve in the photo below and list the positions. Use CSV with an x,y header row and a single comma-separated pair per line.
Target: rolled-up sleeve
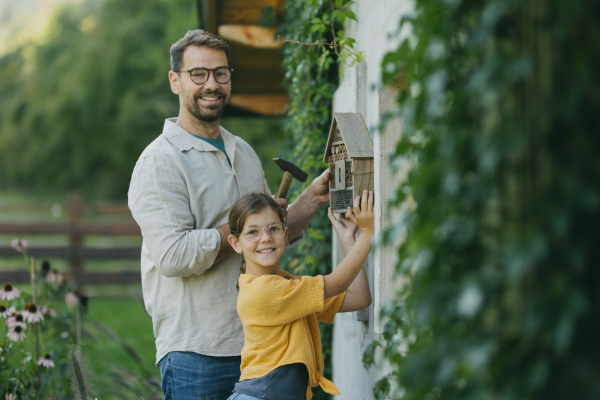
x,y
160,204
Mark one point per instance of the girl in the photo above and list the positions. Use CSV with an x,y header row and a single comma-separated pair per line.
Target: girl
x,y
281,358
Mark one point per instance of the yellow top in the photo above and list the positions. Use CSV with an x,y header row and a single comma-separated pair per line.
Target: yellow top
x,y
280,319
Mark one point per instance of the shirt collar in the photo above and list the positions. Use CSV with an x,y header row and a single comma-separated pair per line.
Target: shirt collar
x,y
184,141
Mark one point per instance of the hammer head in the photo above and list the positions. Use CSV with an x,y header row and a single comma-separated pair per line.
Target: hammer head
x,y
291,168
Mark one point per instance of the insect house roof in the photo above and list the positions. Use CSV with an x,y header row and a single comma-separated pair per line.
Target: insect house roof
x,y
354,134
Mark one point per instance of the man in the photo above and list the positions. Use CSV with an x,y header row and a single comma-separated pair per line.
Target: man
x,y
181,191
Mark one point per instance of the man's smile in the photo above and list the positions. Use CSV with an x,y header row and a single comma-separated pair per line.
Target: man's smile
x,y
206,98
210,98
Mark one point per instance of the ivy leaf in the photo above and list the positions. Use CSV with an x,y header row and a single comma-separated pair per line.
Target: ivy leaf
x,y
339,3
322,58
369,354
316,21
350,41
350,14
382,388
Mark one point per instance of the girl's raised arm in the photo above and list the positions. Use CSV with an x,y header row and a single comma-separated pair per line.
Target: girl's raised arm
x,y
344,275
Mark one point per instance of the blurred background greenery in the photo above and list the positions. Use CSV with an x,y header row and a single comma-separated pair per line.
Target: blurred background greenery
x,y
80,100
83,90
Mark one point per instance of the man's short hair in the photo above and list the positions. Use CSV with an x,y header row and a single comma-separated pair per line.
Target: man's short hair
x,y
199,38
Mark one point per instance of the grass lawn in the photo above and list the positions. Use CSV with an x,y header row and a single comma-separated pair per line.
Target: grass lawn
x,y
114,371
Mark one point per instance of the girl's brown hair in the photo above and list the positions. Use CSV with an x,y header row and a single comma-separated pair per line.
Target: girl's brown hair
x,y
246,206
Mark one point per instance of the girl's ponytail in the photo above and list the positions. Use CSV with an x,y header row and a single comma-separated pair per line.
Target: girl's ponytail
x,y
243,269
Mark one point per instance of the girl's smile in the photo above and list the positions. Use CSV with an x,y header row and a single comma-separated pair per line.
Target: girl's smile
x,y
261,242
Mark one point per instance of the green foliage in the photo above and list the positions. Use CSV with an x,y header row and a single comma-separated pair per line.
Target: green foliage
x,y
80,385
50,337
120,350
311,77
78,109
500,117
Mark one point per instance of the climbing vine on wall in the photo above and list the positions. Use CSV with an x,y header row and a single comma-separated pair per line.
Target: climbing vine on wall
x,y
314,46
501,115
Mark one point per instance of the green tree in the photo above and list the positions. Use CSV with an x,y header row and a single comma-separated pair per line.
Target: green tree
x,y
78,109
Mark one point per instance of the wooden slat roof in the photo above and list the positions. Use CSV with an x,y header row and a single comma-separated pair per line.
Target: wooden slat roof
x,y
355,134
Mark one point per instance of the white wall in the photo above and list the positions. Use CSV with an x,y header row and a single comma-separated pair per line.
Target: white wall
x,y
375,34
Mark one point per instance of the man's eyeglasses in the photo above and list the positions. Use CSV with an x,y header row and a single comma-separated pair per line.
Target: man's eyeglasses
x,y
200,75
276,230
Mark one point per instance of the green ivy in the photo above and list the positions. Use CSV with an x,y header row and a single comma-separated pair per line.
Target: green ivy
x,y
311,78
314,45
501,117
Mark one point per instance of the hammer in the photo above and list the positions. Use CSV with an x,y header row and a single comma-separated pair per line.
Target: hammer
x,y
291,171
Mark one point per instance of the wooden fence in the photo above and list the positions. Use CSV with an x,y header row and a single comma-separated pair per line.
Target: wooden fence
x,y
76,228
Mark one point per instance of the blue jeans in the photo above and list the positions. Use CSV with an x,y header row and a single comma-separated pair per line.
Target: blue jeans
x,y
239,396
191,376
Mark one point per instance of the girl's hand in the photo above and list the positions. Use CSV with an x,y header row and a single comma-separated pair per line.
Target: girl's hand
x,y
363,215
345,229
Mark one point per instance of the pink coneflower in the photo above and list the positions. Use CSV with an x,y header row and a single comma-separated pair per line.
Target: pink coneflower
x,y
54,277
46,361
16,320
16,333
47,310
9,292
51,276
32,314
6,311
72,299
25,310
19,244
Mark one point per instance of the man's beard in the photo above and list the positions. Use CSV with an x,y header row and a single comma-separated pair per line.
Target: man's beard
x,y
207,114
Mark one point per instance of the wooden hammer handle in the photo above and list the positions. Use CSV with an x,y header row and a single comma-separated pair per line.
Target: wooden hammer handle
x,y
285,185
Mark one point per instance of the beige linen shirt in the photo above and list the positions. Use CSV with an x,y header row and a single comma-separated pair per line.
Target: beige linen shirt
x,y
181,189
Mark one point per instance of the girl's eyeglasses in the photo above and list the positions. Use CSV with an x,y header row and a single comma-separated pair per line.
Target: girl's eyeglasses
x,y
253,233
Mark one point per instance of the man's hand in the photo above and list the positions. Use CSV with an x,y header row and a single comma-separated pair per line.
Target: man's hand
x,y
307,204
283,204
319,188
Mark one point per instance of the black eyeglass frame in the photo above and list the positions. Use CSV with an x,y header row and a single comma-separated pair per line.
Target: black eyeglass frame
x,y
189,71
